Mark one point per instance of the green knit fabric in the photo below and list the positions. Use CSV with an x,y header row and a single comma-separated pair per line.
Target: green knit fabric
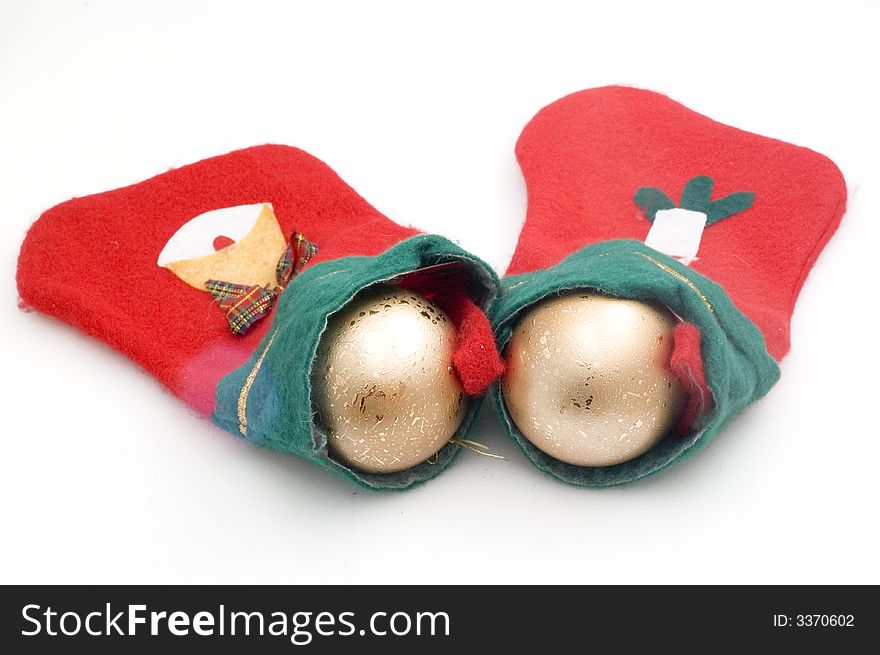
x,y
279,407
738,368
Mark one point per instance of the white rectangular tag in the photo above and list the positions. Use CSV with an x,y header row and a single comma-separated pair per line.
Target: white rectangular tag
x,y
677,232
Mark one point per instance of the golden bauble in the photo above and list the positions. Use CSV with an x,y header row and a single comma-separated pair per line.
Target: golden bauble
x,y
588,379
383,381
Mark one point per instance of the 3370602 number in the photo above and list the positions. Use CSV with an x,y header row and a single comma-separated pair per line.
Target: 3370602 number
x,y
824,620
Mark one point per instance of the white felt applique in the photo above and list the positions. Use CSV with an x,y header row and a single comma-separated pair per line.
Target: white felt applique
x,y
677,232
251,258
195,238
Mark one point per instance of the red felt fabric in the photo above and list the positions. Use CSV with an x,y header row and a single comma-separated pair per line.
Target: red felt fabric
x,y
476,359
686,363
584,156
91,261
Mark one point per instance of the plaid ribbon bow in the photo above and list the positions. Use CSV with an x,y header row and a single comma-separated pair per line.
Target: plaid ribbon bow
x,y
246,304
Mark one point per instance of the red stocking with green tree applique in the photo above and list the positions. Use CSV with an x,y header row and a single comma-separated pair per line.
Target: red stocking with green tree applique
x,y
636,196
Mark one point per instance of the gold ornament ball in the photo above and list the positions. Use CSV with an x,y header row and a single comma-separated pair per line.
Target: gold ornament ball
x,y
383,381
588,379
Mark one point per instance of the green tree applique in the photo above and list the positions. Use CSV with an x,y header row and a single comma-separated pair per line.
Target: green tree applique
x,y
696,196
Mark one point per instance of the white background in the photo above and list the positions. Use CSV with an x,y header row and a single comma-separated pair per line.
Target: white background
x,y
106,477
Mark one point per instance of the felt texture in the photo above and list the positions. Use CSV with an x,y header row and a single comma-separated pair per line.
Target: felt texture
x,y
585,156
108,283
249,261
278,412
696,197
476,358
734,364
92,262
598,166
686,362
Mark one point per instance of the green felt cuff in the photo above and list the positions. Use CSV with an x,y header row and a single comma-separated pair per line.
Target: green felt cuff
x,y
738,368
276,382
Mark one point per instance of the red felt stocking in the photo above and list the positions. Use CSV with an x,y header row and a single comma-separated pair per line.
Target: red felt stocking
x,y
184,274
585,157
635,195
